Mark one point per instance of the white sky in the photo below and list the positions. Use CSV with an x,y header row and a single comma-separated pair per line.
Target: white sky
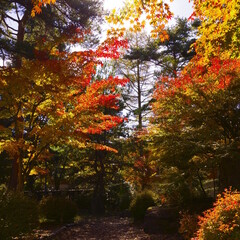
x,y
181,8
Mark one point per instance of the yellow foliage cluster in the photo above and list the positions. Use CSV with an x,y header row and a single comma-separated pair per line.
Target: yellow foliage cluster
x,y
139,13
220,29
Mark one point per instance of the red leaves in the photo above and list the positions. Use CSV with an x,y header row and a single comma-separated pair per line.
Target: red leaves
x,y
192,16
104,123
90,97
108,101
197,90
111,48
217,76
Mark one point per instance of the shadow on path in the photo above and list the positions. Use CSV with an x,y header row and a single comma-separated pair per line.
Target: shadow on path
x,y
108,228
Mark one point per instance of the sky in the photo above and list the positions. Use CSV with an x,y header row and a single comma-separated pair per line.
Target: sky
x,y
181,8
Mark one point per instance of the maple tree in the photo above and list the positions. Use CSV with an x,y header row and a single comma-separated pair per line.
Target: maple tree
x,y
56,103
49,108
198,112
219,31
195,126
221,221
139,168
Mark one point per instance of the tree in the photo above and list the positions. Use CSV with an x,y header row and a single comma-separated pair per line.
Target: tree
x,y
40,38
56,103
219,31
138,168
25,36
137,67
173,54
156,12
198,112
140,72
196,121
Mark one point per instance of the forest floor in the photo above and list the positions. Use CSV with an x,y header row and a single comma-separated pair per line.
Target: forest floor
x,y
104,228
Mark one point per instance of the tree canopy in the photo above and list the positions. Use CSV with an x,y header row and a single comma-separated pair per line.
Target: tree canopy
x,y
63,96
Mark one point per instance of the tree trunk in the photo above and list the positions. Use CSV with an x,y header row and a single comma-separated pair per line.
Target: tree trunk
x,y
20,38
99,196
139,97
98,201
16,178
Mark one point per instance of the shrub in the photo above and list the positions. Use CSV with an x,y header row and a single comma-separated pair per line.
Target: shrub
x,y
84,201
189,216
223,220
58,209
140,204
119,197
188,224
124,200
18,215
176,192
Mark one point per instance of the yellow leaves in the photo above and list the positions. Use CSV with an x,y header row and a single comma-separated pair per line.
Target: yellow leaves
x,y
95,146
219,29
10,146
137,13
38,171
33,172
2,146
76,143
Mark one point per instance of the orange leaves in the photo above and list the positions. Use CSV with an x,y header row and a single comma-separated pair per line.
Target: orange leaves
x,y
102,123
88,97
157,14
37,5
223,219
101,147
94,97
59,101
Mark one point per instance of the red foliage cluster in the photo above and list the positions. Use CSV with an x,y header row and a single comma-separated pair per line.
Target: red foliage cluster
x,y
217,76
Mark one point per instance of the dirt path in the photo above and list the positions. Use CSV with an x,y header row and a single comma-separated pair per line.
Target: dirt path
x,y
107,228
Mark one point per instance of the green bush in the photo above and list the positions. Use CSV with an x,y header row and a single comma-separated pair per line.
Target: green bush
x,y
222,222
176,192
119,197
58,209
18,215
84,201
124,201
140,203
